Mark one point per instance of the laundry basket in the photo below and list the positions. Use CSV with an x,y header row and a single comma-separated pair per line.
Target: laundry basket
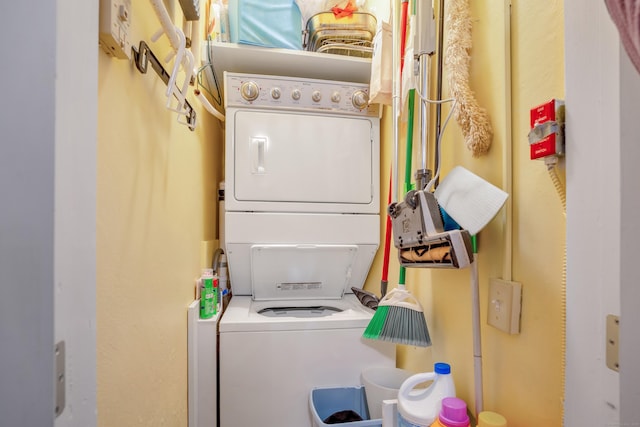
x,y
326,401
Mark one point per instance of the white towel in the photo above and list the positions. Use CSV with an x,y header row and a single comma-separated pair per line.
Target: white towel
x,y
470,200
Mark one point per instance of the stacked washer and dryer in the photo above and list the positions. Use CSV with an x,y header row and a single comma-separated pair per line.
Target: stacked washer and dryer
x,y
302,225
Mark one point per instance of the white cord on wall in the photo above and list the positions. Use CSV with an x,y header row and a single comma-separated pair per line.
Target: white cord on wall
x,y
431,183
207,105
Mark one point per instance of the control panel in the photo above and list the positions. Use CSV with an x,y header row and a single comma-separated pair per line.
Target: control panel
x,y
243,90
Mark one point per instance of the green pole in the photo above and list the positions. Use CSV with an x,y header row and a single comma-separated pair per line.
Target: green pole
x,y
407,168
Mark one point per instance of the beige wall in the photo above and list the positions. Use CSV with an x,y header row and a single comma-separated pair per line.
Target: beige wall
x,y
156,202
522,373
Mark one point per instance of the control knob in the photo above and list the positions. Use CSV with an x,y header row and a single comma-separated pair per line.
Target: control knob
x,y
316,96
360,99
249,90
275,93
295,94
335,97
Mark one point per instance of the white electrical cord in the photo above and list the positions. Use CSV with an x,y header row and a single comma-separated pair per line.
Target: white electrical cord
x,y
426,100
552,162
431,183
207,105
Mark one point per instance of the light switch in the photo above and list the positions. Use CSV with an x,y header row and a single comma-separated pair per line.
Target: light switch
x,y
504,305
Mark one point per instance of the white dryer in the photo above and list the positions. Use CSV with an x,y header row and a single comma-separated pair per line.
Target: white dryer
x,y
302,226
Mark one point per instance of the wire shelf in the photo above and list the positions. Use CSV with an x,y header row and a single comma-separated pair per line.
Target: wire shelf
x,y
350,36
358,48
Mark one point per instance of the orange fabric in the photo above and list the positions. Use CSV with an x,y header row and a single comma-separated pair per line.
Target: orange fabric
x,y
340,12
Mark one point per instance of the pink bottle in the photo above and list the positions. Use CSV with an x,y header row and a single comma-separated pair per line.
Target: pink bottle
x,y
453,413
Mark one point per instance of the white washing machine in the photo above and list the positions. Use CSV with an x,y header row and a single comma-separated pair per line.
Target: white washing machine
x,y
302,225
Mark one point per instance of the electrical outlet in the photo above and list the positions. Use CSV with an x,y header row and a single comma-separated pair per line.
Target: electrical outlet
x,y
504,305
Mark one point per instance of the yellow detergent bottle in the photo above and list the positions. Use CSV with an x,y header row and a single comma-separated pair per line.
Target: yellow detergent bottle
x,y
491,419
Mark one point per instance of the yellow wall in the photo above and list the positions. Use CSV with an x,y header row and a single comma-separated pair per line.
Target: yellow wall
x,y
522,373
156,202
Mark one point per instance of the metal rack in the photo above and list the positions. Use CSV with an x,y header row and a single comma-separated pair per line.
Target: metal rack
x,y
351,35
142,57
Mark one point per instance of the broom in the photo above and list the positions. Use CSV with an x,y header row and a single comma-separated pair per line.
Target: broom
x,y
399,317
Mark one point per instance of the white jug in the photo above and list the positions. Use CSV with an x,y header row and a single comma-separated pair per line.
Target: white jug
x,y
419,407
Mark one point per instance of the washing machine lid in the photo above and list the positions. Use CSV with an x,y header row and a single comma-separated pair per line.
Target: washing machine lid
x,y
299,272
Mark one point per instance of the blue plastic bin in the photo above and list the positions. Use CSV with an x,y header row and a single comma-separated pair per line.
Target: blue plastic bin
x,y
327,401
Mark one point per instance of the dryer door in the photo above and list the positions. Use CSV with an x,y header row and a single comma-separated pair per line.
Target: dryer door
x,y
285,161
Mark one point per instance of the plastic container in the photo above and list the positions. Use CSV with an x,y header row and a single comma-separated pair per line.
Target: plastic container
x,y
275,23
327,401
419,407
382,383
208,302
452,414
491,419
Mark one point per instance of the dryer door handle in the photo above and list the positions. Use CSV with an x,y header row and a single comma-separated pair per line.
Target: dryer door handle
x,y
258,146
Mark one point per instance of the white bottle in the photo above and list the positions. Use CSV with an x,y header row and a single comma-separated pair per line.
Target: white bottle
x,y
419,407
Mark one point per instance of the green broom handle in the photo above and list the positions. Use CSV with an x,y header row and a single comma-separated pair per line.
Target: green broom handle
x,y
409,149
401,276
407,168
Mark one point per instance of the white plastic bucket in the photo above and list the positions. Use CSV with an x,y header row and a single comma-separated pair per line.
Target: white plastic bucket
x,y
382,383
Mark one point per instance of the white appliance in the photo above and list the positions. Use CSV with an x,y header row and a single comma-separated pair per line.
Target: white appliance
x,y
302,226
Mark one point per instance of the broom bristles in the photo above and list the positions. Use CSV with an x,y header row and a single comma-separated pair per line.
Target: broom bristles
x,y
400,325
376,323
405,326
